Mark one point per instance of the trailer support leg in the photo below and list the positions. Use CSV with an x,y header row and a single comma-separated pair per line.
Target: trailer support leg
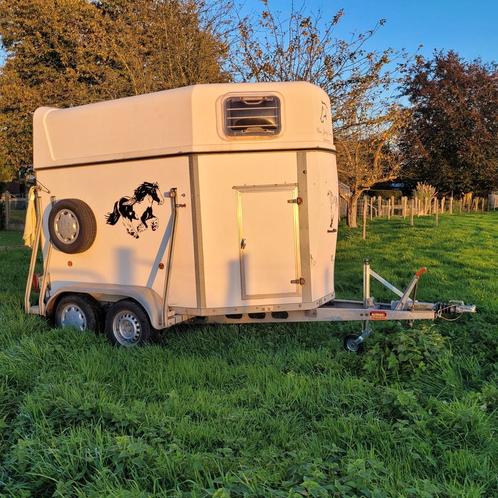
x,y
353,342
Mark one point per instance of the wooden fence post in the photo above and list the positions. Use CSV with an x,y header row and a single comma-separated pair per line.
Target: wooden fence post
x,y
483,200
436,210
443,204
379,206
411,211
364,227
6,198
371,207
388,208
451,205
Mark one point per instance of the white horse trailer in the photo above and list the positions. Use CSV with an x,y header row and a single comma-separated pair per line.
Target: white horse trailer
x,y
210,202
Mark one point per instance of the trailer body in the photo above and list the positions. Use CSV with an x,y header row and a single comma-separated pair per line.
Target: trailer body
x,y
257,212
216,203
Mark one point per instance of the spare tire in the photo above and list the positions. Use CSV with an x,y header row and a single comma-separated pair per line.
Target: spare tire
x,y
72,226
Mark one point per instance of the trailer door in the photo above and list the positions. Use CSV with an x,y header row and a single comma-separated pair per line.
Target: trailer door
x,y
269,241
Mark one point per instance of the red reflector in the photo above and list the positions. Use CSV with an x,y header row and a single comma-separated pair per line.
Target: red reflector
x,y
378,315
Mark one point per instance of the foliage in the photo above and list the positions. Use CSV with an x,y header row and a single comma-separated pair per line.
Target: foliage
x,y
359,82
72,52
425,191
452,138
368,154
262,410
405,354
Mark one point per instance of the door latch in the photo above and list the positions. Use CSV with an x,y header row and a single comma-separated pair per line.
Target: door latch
x,y
299,281
297,200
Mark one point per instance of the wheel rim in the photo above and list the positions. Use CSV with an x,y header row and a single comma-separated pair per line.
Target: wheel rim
x,y
127,328
73,316
66,226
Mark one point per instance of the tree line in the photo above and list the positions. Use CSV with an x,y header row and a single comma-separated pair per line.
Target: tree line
x,y
395,116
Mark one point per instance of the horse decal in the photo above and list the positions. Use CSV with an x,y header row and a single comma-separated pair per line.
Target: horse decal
x,y
136,212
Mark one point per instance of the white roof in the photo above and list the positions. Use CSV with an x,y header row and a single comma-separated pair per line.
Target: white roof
x,y
178,121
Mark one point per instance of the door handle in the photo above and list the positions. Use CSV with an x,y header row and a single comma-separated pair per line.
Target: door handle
x,y
243,243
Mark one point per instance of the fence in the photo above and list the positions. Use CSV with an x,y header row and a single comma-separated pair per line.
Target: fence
x,y
12,212
370,207
493,201
378,206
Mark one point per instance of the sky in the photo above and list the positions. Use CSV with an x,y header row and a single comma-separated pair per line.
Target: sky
x,y
466,26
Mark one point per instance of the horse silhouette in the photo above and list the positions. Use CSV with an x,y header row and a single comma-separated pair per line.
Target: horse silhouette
x,y
144,197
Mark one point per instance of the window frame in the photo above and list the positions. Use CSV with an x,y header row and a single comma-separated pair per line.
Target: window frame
x,y
233,134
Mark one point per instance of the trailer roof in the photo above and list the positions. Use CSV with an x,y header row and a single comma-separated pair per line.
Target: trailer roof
x,y
179,121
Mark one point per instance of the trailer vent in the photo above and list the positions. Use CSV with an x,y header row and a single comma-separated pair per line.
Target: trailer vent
x,y
252,116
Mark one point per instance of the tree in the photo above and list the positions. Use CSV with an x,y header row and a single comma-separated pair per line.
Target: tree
x,y
358,81
72,52
451,140
369,154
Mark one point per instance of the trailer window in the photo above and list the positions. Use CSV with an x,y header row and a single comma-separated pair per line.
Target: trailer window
x,y
252,116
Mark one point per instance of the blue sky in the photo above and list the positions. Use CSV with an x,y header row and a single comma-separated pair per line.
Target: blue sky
x,y
469,27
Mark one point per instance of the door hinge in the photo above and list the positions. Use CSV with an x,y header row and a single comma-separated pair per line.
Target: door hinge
x,y
299,281
297,200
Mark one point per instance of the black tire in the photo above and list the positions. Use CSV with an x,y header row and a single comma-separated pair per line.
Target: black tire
x,y
351,346
127,324
78,311
72,226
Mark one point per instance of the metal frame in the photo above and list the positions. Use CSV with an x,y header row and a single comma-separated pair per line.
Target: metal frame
x,y
40,309
366,311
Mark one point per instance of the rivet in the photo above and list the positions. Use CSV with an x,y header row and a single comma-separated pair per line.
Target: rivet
x,y
69,263
161,266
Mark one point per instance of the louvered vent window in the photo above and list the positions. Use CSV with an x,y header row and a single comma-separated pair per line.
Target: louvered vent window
x,y
252,116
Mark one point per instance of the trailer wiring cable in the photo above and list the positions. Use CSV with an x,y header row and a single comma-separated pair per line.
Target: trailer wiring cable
x,y
440,311
449,319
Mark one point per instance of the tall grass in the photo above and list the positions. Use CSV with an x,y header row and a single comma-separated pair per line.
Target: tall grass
x,y
263,410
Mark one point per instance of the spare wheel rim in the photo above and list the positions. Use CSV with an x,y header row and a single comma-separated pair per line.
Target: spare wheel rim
x,y
66,226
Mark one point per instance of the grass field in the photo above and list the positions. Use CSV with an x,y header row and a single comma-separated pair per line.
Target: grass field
x,y
266,410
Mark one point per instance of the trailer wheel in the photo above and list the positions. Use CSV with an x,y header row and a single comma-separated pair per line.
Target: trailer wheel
x,y
352,345
77,311
72,226
127,324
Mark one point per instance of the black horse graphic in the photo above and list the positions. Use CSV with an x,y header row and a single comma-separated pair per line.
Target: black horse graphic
x,y
144,197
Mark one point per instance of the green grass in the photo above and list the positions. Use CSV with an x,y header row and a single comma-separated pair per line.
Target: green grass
x,y
266,410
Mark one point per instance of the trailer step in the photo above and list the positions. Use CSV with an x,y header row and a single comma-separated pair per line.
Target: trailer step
x,y
34,310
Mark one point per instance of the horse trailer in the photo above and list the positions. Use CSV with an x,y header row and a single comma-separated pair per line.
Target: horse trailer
x,y
211,203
